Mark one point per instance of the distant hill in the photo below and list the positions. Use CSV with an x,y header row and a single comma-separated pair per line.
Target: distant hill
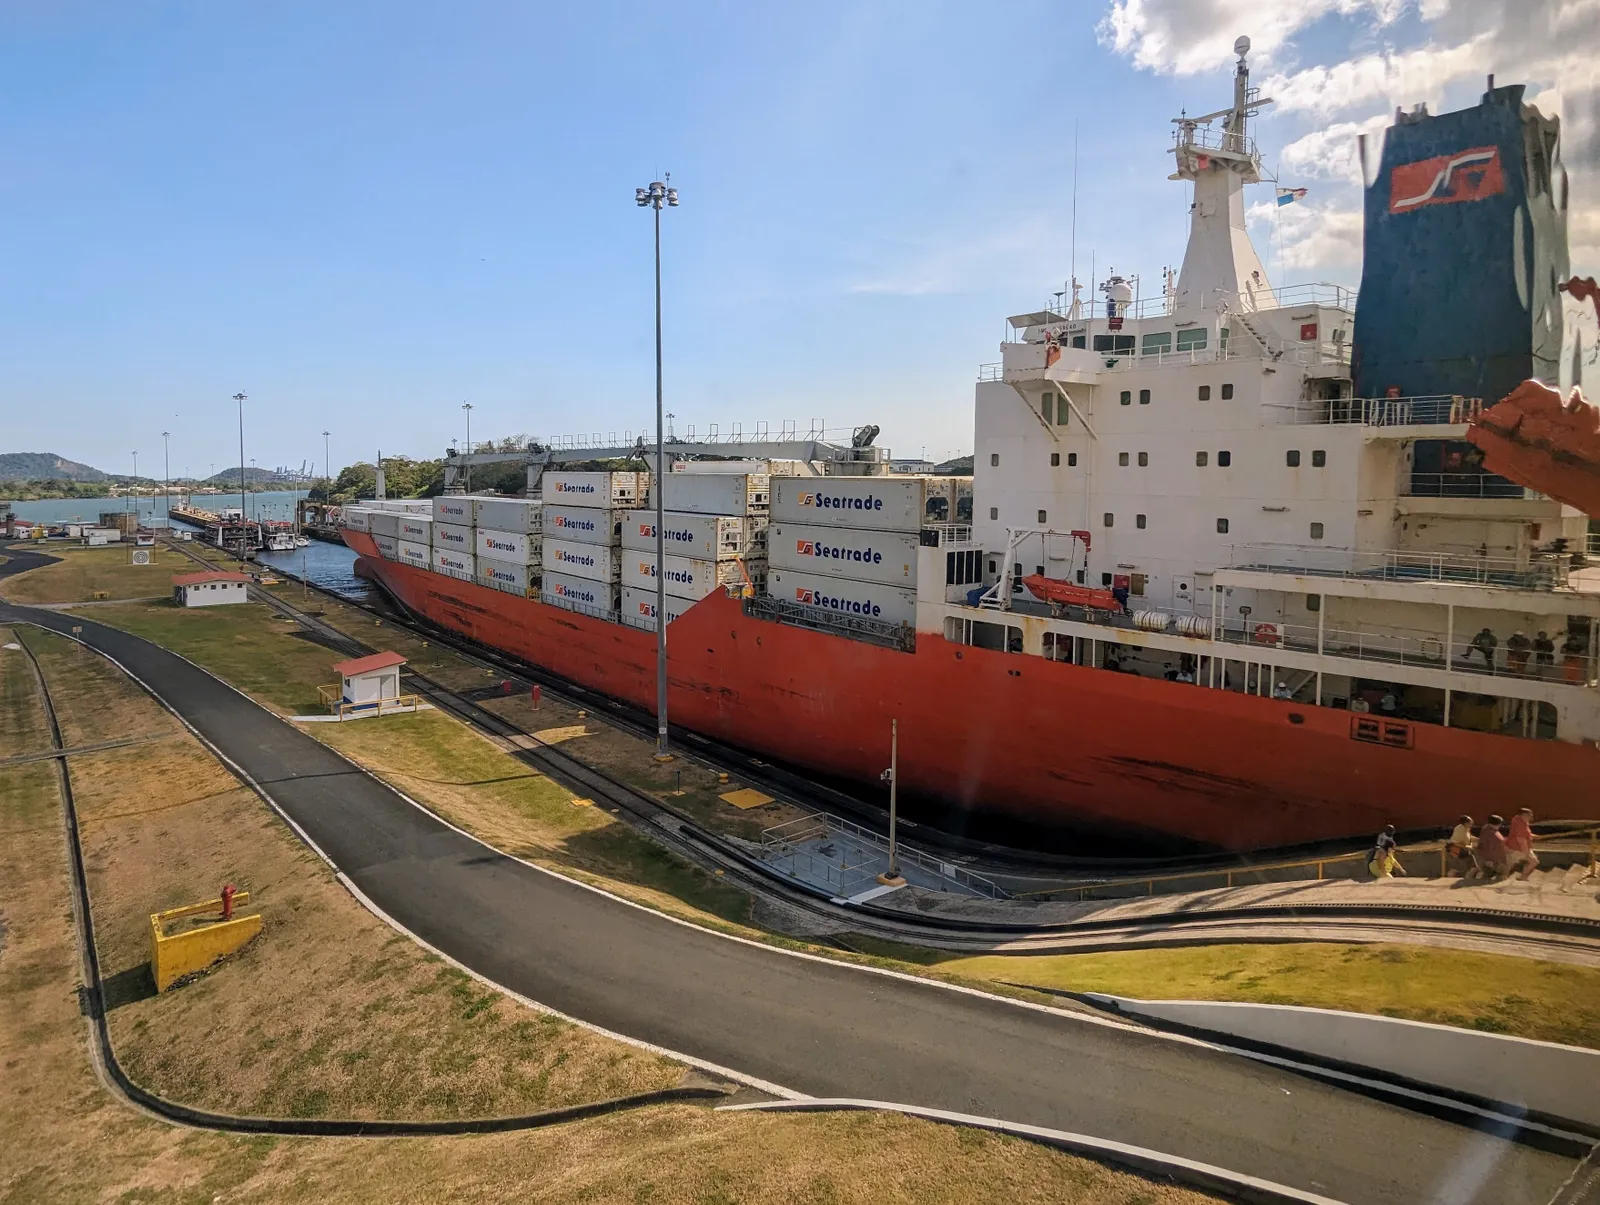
x,y
252,476
961,466
46,466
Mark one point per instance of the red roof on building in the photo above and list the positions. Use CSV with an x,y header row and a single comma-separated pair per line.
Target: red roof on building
x,y
365,665
210,575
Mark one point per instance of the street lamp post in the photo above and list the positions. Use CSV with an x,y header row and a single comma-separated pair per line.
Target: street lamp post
x,y
133,487
240,398
166,475
467,406
654,197
892,878
327,468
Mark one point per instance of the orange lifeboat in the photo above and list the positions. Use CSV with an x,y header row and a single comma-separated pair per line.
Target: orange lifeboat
x,y
1068,594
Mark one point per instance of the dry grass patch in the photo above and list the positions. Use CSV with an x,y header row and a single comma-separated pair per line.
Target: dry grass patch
x,y
82,572
329,1012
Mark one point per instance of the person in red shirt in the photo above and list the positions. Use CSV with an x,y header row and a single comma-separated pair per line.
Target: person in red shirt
x,y
1492,852
1519,844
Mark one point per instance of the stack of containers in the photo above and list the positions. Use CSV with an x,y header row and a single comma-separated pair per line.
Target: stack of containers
x,y
847,545
581,520
454,539
385,528
714,528
510,543
416,538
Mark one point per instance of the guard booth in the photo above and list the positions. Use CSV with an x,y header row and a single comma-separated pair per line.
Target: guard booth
x,y
367,685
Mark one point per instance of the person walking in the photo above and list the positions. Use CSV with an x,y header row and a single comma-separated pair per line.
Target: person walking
x,y
1492,851
1459,851
1485,642
1382,862
1517,649
1519,845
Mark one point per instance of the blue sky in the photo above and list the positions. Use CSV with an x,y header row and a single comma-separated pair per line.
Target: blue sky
x,y
362,214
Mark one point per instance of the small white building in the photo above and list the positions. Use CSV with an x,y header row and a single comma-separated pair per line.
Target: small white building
x,y
370,681
212,588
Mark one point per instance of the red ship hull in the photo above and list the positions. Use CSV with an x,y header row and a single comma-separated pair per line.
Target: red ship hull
x,y
1038,741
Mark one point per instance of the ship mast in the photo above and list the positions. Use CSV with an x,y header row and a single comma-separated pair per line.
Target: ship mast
x,y
1221,270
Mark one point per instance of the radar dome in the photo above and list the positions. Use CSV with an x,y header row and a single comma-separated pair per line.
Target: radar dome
x,y
1241,47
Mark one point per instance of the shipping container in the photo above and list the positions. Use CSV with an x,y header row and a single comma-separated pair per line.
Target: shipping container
x,y
707,537
416,528
384,523
510,546
581,524
503,575
865,600
639,607
507,514
388,546
722,467
402,506
595,562
607,491
947,500
453,508
886,557
714,494
456,539
867,503
686,577
578,594
456,564
414,554
357,518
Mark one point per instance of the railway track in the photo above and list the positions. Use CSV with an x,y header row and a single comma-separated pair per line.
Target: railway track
x,y
1525,933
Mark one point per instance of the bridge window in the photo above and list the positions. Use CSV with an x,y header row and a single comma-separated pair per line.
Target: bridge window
x,y
963,568
1292,458
1047,406
1055,460
1205,393
1319,459
1227,393
1077,341
1063,410
1156,343
1193,339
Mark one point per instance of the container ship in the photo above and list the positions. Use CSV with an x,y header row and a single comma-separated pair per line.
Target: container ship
x,y
1227,575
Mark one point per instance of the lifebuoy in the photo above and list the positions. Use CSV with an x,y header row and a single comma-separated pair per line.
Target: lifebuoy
x,y
1267,633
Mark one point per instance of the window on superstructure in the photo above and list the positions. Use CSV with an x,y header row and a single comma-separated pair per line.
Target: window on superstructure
x,y
1193,339
1055,460
1144,397
1077,341
1105,579
1292,458
1127,398
1063,410
1072,460
1227,393
1205,393
1138,521
994,460
1200,459
1110,518
1156,343
1224,459
1144,460
1222,527
1047,406
1042,519
1313,603
1319,459
1316,531
1122,459
994,512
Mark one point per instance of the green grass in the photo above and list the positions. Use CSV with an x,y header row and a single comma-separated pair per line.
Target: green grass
x,y
82,572
1549,1001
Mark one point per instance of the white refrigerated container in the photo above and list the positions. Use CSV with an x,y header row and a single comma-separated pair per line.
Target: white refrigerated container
x,y
607,491
410,553
594,562
507,514
886,557
384,523
388,547
639,607
714,493
418,529
457,539
577,593
867,503
453,508
511,546
581,524
503,575
866,600
456,564
686,577
707,537
356,518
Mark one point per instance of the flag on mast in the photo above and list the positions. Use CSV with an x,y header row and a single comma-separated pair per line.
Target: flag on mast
x,y
1288,196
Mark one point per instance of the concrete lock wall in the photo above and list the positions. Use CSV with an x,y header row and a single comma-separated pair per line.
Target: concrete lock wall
x,y
1543,1077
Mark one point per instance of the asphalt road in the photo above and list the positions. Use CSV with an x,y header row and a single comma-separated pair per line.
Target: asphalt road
x,y
827,1029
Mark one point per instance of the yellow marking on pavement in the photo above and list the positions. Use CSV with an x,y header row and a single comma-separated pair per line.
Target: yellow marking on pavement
x,y
554,736
745,797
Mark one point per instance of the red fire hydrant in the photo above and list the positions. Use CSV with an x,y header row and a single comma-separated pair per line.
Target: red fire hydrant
x,y
536,696
505,686
228,890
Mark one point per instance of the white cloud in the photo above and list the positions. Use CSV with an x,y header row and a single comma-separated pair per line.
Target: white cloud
x,y
1309,241
1185,37
1330,153
1400,78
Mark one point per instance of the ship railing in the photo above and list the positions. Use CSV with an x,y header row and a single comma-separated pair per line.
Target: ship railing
x,y
1538,573
941,535
581,608
898,636
1158,305
1424,410
1567,843
1593,544
1558,665
799,842
1465,485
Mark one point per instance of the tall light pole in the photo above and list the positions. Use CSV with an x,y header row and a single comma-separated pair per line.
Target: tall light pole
x,y
467,406
240,398
654,197
133,488
327,468
166,474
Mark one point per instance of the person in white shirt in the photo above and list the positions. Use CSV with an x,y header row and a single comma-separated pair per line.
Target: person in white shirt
x,y
1461,850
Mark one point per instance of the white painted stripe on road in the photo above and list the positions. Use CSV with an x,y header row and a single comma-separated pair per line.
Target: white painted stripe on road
x,y
1366,1085
1120,1153
873,893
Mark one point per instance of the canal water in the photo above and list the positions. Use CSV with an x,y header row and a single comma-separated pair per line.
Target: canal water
x,y
276,504
331,566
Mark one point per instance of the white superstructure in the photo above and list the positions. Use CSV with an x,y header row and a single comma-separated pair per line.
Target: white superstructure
x,y
1200,454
